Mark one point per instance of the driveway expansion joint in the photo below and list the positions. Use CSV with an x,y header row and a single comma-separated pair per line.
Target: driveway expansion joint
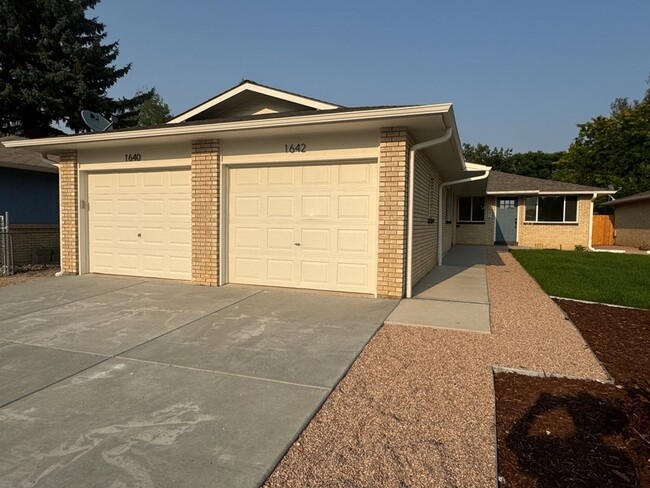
x,y
224,373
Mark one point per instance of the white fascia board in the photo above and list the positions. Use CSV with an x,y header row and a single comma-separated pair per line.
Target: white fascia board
x,y
289,97
200,129
537,192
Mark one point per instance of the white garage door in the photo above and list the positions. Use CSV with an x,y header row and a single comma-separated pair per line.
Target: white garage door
x,y
139,223
311,226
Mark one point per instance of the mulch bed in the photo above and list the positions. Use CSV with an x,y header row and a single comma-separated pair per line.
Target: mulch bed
x,y
27,273
557,432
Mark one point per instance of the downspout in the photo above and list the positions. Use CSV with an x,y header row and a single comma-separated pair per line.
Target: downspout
x,y
591,221
45,159
409,238
443,186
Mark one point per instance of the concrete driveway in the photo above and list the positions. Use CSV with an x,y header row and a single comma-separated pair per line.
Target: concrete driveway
x,y
116,382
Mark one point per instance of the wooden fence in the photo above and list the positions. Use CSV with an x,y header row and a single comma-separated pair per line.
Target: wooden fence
x,y
603,230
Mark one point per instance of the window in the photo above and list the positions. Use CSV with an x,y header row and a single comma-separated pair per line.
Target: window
x,y
471,209
552,209
449,205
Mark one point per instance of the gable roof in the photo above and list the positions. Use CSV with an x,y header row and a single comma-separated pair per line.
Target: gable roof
x,y
507,183
23,158
251,92
637,197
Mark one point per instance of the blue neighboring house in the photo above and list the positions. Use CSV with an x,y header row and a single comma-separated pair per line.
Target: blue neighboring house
x,y
29,191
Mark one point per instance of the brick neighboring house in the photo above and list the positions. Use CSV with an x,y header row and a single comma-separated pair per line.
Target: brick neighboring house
x,y
266,187
29,191
632,220
531,212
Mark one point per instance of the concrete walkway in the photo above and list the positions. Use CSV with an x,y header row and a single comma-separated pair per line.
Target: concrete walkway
x,y
451,296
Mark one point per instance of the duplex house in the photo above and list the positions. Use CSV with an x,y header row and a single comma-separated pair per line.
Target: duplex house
x,y
266,187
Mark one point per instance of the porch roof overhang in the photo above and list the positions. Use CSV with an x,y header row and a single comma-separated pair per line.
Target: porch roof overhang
x,y
424,122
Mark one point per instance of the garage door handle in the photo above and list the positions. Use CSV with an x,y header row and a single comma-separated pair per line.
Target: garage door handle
x,y
139,235
296,243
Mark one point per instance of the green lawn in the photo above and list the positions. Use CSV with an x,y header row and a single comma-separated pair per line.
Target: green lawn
x,y
620,279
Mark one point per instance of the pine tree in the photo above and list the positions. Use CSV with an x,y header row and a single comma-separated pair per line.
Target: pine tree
x,y
54,62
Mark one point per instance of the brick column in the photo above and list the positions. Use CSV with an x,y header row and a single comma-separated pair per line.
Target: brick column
x,y
394,147
68,195
205,212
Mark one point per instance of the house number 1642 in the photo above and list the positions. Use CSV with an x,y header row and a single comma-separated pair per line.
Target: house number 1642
x,y
295,148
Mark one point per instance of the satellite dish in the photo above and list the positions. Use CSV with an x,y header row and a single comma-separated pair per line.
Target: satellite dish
x,y
96,122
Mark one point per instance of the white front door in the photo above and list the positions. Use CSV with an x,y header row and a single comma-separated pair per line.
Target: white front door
x,y
304,226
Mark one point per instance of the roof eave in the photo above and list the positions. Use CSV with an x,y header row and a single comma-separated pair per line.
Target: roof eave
x,y
70,141
555,192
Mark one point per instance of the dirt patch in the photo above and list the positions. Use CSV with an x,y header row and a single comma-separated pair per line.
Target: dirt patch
x,y
28,274
558,432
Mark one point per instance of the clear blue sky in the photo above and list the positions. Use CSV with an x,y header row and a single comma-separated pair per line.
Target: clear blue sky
x,y
520,74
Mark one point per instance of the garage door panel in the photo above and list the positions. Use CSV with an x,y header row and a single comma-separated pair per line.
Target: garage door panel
x,y
247,268
317,175
353,206
280,271
179,207
353,174
280,207
315,272
246,207
352,274
310,226
353,241
314,240
280,238
316,207
247,238
139,223
281,176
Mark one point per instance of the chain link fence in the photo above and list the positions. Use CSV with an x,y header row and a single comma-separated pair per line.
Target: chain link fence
x,y
23,246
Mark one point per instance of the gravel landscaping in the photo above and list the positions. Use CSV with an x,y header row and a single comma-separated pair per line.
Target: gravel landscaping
x,y
559,432
417,407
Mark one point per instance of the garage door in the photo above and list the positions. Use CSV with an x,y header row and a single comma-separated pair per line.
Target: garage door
x,y
311,226
139,223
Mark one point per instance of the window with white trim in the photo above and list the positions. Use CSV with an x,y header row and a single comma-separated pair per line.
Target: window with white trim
x,y
471,209
552,209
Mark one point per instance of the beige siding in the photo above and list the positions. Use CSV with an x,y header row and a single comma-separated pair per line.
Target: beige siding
x,y
448,228
632,224
425,206
478,233
556,236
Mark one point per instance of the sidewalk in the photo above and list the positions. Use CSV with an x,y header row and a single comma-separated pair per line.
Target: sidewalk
x,y
451,296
